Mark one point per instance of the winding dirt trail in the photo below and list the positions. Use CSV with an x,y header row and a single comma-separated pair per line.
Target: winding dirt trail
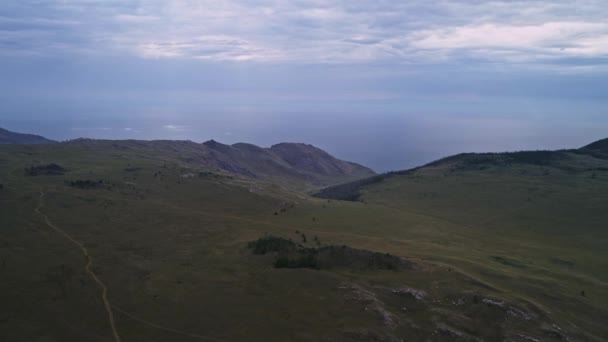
x,y
88,267
110,308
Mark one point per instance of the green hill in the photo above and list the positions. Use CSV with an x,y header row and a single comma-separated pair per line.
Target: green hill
x,y
533,221
304,167
571,161
198,242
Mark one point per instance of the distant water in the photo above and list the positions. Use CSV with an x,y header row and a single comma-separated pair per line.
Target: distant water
x,y
382,142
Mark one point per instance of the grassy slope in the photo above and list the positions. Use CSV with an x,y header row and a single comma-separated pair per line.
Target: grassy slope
x,y
537,230
245,160
172,251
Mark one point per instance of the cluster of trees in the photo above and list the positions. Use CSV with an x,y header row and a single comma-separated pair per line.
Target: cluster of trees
x,y
292,255
289,255
270,244
307,260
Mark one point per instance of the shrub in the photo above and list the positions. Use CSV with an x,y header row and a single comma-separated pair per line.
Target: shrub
x,y
271,244
306,260
291,255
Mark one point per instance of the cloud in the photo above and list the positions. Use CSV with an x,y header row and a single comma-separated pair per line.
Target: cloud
x,y
313,31
205,47
363,40
130,18
526,42
36,22
91,129
176,128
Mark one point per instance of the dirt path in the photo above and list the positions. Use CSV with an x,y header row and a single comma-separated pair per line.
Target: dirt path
x,y
88,267
110,308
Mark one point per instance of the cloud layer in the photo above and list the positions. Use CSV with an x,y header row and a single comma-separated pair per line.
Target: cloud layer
x,y
539,32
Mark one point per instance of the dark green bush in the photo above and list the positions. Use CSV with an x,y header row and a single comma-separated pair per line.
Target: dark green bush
x,y
305,260
271,244
291,255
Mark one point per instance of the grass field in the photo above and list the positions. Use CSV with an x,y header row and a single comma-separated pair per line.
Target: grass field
x,y
500,253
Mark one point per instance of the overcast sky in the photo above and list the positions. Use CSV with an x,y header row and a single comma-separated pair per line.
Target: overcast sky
x,y
390,84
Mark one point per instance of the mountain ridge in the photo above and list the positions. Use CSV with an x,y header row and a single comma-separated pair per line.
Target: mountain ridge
x,y
281,162
9,137
559,159
292,164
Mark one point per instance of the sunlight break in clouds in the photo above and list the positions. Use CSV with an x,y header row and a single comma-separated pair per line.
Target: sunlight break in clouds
x,y
205,47
176,128
548,40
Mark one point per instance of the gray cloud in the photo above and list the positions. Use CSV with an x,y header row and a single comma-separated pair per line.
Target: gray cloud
x,y
539,32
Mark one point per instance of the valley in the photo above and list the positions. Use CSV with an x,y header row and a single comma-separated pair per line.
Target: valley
x,y
168,229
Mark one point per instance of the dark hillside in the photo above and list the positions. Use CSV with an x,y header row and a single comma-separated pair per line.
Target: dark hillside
x,y
293,165
350,191
600,145
284,161
473,160
314,160
8,137
564,160
598,149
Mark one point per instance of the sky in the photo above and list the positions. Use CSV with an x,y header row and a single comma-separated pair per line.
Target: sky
x,y
389,84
